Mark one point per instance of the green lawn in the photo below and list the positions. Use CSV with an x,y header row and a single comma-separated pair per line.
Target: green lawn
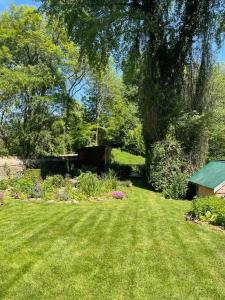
x,y
125,158
140,248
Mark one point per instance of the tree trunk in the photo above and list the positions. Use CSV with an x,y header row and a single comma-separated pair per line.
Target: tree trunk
x,y
164,66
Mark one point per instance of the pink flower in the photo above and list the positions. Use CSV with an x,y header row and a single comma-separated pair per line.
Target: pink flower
x,y
118,195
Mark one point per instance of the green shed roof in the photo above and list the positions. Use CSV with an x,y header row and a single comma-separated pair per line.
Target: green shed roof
x,y
211,175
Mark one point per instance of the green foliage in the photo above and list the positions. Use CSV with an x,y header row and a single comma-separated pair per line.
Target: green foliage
x,y
48,189
4,184
114,119
30,185
37,190
40,74
67,193
168,169
133,140
109,181
217,125
3,149
166,53
32,174
55,181
22,185
177,189
89,184
210,209
192,131
37,59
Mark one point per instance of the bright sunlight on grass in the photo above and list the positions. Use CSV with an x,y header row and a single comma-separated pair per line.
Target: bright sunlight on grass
x,y
125,158
139,248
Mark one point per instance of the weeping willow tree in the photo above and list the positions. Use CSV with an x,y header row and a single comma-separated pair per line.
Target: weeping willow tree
x,y
164,45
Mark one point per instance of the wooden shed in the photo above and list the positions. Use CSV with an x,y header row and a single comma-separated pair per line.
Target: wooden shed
x,y
210,180
97,156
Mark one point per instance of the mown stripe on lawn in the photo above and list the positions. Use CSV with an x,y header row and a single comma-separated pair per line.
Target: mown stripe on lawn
x,y
36,246
140,248
65,245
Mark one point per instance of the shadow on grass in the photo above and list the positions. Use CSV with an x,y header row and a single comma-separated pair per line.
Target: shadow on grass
x,y
141,183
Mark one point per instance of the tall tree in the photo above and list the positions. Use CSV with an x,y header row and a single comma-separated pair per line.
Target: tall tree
x,y
114,119
161,41
37,60
217,120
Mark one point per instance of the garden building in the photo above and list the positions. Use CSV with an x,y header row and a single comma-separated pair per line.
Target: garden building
x,y
96,156
210,180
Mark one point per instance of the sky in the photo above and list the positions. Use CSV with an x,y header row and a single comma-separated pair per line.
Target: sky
x,y
219,56
6,3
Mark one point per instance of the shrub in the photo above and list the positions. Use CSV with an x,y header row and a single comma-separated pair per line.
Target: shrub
x,y
37,191
22,185
210,209
55,181
47,185
32,174
25,185
67,193
89,184
4,184
51,183
167,168
49,195
109,181
178,187
62,195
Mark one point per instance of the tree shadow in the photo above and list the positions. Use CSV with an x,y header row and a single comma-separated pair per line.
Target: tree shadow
x,y
141,183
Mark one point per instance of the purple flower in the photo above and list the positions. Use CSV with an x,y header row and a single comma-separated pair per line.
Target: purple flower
x,y
118,195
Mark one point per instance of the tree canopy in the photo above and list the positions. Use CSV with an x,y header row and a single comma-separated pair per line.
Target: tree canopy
x,y
163,46
35,57
41,73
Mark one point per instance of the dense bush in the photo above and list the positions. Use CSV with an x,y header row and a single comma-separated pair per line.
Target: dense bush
x,y
4,184
25,184
210,209
55,181
37,190
178,187
89,184
67,193
22,185
167,168
92,185
32,174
